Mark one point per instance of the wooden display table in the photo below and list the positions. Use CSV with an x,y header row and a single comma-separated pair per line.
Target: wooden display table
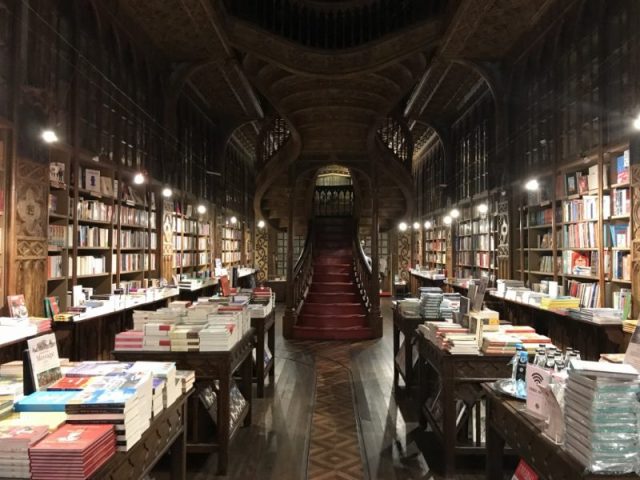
x,y
449,387
419,279
404,367
211,367
167,432
265,327
588,337
506,423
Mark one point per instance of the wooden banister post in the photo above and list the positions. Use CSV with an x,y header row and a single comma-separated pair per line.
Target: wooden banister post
x,y
289,318
375,319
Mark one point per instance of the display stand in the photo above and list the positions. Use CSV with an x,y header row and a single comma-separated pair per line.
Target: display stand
x,y
449,387
264,327
211,367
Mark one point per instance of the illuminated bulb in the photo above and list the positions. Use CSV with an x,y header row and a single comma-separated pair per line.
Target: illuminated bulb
x,y
402,226
167,192
483,208
261,224
455,213
636,123
427,225
49,136
233,220
201,209
532,185
138,179
416,226
447,220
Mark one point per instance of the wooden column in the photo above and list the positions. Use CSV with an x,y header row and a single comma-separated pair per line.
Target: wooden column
x,y
375,319
289,318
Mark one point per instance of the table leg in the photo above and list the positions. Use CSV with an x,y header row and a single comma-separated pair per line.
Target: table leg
x,y
495,452
396,348
245,387
260,360
179,450
271,341
408,360
224,418
449,422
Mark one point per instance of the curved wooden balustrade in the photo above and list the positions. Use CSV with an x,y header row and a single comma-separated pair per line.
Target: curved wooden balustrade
x,y
334,25
302,273
273,137
362,270
395,135
333,201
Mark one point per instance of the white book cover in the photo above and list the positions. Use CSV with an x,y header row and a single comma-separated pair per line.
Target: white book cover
x,y
45,363
92,180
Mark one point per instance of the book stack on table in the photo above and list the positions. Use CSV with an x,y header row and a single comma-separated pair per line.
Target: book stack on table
x,y
15,441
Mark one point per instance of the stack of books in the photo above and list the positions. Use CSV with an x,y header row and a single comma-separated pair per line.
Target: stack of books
x,y
129,340
599,316
430,304
15,442
157,337
218,337
165,316
629,326
166,371
73,451
498,344
560,303
409,307
602,415
459,343
159,386
6,405
97,368
186,379
186,338
44,401
450,304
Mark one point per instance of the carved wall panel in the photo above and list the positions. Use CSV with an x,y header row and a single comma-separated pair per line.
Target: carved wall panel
x,y
29,265
635,244
504,263
262,254
167,240
404,254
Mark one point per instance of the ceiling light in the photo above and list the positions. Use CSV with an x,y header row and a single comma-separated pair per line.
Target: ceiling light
x,y
416,226
167,192
455,213
138,178
202,209
49,136
483,208
636,123
402,226
447,220
532,185
261,224
427,225
233,220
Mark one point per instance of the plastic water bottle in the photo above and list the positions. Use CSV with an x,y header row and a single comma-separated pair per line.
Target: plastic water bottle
x,y
515,360
521,373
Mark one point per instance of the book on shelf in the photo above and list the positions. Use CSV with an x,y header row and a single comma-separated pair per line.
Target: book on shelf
x,y
106,186
622,165
51,307
571,184
17,306
92,180
56,174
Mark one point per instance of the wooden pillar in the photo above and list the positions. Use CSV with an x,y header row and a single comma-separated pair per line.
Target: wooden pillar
x,y
289,318
375,319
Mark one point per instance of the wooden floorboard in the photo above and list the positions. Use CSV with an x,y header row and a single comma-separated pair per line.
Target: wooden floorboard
x,y
276,446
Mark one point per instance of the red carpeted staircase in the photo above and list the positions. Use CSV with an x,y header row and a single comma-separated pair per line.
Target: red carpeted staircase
x,y
333,308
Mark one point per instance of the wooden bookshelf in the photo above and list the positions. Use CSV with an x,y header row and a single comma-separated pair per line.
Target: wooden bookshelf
x,y
231,236
437,238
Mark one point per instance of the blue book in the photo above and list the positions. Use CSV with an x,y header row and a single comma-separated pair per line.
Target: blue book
x,y
118,400
49,401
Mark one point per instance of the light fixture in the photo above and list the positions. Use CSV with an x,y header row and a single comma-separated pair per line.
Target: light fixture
x,y
532,185
447,220
416,226
427,225
636,122
483,208
49,136
167,192
455,213
261,224
233,220
138,178
402,226
201,209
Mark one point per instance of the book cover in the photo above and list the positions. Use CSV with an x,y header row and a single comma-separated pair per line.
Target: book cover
x,y
70,383
74,438
583,183
17,306
87,400
571,185
56,174
45,363
106,186
524,472
92,180
45,401
622,168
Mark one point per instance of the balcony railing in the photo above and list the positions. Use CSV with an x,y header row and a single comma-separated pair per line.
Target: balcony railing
x,y
334,25
395,135
333,201
273,137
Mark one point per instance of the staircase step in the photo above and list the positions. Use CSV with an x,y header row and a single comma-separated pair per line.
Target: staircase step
x,y
333,287
315,333
328,298
330,308
333,260
331,321
323,251
323,277
330,269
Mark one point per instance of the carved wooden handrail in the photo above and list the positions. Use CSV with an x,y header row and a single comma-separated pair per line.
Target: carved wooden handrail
x,y
334,25
362,269
303,271
396,137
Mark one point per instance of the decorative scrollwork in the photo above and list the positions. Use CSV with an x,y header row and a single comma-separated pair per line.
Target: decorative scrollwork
x,y
273,137
395,135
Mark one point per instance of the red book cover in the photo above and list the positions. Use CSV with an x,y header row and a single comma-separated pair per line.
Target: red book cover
x,y
70,383
73,438
53,302
524,472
